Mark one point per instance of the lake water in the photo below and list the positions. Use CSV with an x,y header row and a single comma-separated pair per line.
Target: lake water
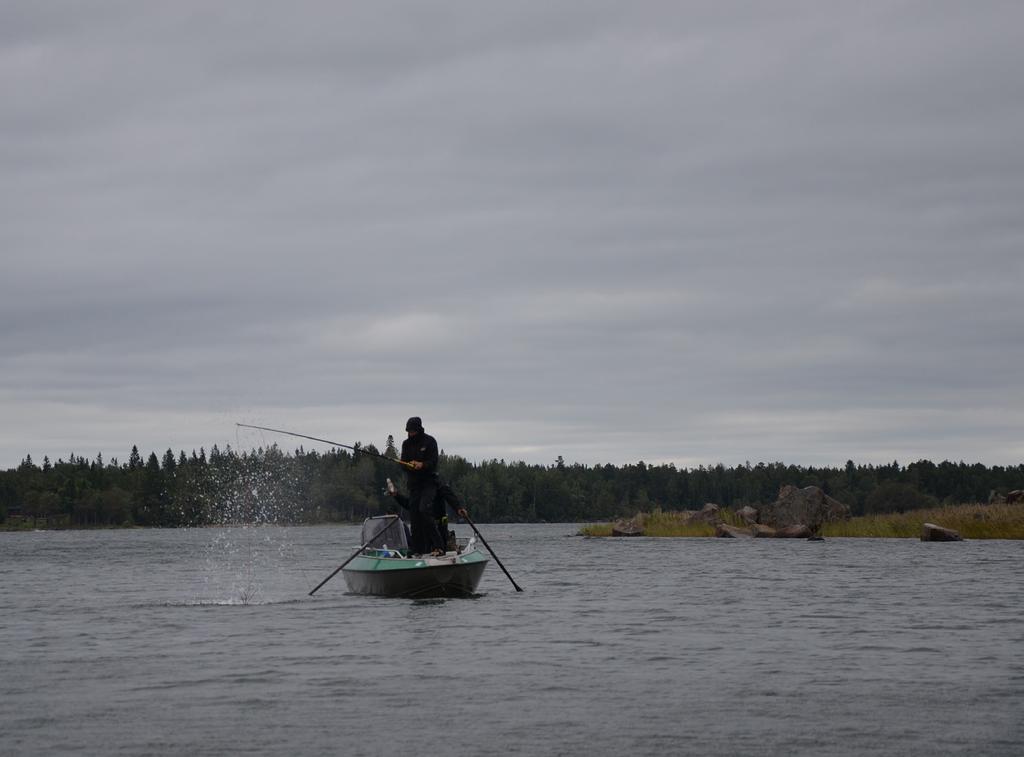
x,y
204,642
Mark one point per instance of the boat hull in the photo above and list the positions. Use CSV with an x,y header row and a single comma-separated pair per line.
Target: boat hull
x,y
453,575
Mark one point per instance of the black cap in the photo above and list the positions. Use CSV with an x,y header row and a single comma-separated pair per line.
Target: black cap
x,y
414,424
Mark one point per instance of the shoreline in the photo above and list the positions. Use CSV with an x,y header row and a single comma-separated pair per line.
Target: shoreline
x,y
971,521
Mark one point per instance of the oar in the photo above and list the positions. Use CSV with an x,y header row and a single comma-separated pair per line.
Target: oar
x,y
360,450
477,532
354,556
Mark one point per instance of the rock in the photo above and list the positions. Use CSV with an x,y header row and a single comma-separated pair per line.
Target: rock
x,y
761,531
726,531
931,532
710,513
815,538
809,507
626,528
1017,495
798,531
748,514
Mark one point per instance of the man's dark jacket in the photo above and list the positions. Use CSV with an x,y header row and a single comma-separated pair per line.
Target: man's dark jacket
x,y
422,447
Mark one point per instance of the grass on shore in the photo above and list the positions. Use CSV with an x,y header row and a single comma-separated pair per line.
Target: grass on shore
x,y
975,521
662,523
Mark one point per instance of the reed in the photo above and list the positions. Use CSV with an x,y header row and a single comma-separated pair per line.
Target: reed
x,y
659,523
972,521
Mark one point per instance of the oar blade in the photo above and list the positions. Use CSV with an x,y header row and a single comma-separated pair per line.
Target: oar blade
x,y
484,542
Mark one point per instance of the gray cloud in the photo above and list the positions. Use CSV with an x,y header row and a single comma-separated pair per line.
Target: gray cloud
x,y
666,231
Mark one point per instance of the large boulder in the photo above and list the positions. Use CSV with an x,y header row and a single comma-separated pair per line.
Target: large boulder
x,y
798,531
809,507
748,515
1017,495
931,532
726,531
710,513
627,528
762,532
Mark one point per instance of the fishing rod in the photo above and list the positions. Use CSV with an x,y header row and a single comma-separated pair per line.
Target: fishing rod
x,y
360,450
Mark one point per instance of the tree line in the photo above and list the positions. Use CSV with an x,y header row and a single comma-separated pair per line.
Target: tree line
x,y
270,485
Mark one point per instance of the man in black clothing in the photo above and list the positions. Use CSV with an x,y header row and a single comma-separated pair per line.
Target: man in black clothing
x,y
420,452
444,495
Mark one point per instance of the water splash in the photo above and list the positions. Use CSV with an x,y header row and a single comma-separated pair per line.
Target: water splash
x,y
248,549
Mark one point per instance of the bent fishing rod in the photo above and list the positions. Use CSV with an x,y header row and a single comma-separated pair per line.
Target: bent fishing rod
x,y
360,450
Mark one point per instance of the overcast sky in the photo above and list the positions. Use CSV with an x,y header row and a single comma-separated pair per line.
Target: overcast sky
x,y
689,232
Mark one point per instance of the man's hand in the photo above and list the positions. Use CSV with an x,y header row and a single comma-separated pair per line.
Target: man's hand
x,y
462,512
416,465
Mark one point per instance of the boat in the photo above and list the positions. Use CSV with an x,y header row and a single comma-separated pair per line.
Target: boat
x,y
387,569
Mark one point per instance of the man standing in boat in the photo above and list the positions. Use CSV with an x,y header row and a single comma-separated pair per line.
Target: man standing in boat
x,y
445,496
419,450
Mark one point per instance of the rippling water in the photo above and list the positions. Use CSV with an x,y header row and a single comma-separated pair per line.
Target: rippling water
x,y
204,642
